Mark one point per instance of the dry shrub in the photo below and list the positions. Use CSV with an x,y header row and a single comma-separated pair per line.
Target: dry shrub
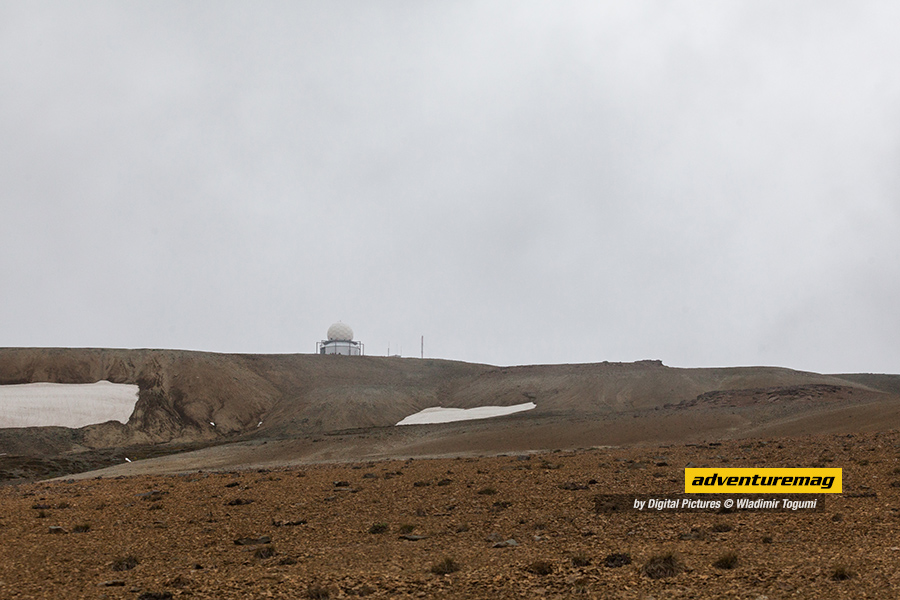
x,y
841,573
377,528
617,559
729,560
318,592
445,566
581,560
663,565
540,567
126,563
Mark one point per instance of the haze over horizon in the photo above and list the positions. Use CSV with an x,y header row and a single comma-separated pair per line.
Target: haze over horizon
x,y
704,184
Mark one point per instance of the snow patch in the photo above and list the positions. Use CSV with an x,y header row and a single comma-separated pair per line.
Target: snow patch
x,y
65,404
438,414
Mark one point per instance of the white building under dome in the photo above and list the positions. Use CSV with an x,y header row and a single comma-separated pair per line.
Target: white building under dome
x,y
340,341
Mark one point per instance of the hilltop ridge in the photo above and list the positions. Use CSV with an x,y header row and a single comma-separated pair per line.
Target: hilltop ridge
x,y
194,399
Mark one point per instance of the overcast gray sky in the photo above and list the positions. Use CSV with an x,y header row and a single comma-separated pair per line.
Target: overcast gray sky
x,y
705,183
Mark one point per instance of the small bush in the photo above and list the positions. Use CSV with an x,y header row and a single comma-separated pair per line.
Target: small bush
x,y
694,534
42,514
406,529
317,592
239,502
265,552
445,566
126,563
82,528
663,565
767,539
540,567
841,573
721,527
729,560
155,596
179,581
487,491
421,484
580,586
581,560
377,528
445,482
617,560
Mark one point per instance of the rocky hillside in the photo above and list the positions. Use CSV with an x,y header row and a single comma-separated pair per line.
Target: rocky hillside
x,y
183,393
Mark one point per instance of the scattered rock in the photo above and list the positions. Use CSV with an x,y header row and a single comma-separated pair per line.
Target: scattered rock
x,y
571,485
238,502
248,541
288,523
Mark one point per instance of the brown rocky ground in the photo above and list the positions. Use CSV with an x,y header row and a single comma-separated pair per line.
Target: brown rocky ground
x,y
335,530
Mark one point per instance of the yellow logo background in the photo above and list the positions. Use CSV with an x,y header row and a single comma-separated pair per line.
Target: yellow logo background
x,y
741,481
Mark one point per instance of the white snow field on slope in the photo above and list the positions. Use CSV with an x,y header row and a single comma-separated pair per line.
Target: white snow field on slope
x,y
66,404
437,414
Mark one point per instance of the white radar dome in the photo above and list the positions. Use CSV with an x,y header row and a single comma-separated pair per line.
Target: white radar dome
x,y
340,332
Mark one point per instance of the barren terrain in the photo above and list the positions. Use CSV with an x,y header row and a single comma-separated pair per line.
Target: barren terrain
x,y
292,409
326,498
337,530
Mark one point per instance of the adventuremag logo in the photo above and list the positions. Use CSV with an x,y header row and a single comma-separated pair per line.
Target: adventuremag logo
x,y
762,481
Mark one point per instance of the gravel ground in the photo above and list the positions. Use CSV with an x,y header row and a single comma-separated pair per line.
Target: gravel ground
x,y
335,531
